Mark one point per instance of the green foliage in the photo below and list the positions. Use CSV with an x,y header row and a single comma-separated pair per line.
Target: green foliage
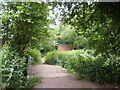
x,y
47,46
36,55
25,24
68,35
88,66
13,67
31,82
100,26
51,58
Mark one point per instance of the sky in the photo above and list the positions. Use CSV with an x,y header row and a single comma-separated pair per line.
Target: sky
x,y
52,14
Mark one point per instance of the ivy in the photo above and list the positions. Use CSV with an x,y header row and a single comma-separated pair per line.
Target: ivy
x,y
24,26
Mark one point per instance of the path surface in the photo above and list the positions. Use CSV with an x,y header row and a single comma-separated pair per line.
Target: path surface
x,y
56,77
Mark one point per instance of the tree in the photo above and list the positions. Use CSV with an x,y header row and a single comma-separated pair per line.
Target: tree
x,y
99,22
24,27
25,24
69,36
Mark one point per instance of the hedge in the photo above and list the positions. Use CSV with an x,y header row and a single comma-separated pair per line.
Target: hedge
x,y
88,66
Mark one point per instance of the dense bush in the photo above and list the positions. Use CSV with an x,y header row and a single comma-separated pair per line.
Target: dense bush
x,y
13,67
47,46
88,66
68,36
35,54
59,57
51,58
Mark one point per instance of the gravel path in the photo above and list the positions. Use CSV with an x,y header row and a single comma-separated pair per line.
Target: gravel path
x,y
56,77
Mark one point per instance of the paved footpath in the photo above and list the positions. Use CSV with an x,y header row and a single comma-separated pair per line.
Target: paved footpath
x,y
56,77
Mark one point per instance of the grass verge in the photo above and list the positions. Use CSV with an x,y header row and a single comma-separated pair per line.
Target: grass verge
x,y
33,81
75,76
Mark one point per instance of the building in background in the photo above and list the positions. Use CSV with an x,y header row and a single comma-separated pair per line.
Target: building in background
x,y
63,47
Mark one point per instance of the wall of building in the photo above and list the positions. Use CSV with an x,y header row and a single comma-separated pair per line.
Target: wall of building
x,y
64,47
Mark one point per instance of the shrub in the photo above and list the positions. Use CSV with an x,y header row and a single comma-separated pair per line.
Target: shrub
x,y
59,57
51,58
13,67
88,66
47,46
36,55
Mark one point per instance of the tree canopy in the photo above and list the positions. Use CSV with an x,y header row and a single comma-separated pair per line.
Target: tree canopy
x,y
25,24
24,27
99,22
